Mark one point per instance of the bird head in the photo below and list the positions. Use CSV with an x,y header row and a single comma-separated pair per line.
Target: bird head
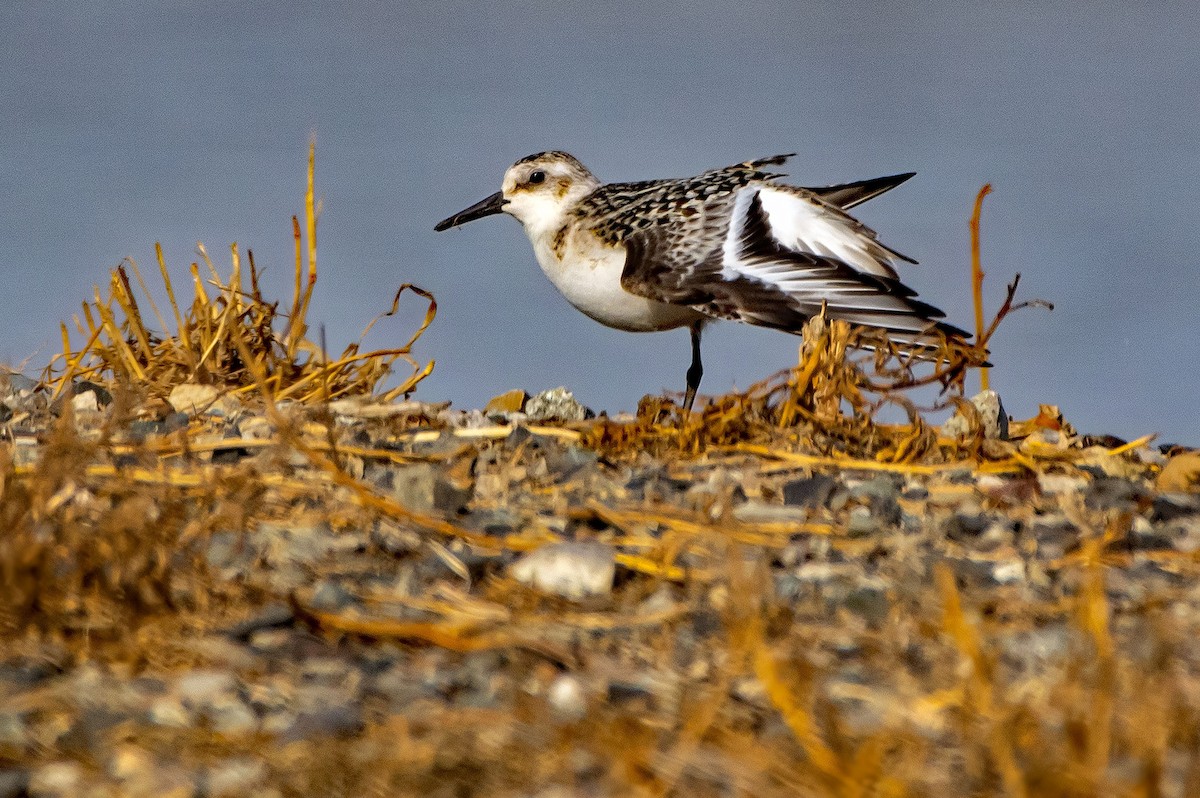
x,y
537,191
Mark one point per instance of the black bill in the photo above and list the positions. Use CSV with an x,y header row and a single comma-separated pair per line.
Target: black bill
x,y
485,207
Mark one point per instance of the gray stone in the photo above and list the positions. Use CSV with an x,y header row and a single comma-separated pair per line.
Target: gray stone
x,y
862,523
255,428
1110,493
556,404
881,487
755,511
1008,573
572,569
331,596
231,552
14,783
101,394
395,540
170,713
301,544
870,602
567,696
340,720
235,777
965,527
271,617
200,687
13,731
230,715
55,779
413,485
89,731
811,492
1055,535
84,403
1173,506
991,413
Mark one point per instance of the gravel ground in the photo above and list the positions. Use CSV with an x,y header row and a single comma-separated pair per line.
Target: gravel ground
x,y
406,600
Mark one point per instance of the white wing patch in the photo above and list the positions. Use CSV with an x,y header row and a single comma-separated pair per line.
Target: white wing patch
x,y
802,224
817,255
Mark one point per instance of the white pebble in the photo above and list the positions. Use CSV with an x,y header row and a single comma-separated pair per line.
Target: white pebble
x,y
574,570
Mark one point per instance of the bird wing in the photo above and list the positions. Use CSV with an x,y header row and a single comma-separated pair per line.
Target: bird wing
x,y
734,245
848,195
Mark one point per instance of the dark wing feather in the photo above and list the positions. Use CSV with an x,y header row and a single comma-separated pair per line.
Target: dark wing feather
x,y
848,195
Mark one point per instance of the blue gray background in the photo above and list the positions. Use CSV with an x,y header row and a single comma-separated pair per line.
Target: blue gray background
x,y
134,123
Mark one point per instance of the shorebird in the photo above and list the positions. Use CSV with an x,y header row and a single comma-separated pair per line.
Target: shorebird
x,y
731,243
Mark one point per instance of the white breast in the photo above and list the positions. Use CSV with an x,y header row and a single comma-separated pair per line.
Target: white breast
x,y
588,273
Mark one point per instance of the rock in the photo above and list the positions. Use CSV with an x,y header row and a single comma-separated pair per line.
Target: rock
x,y
230,715
56,779
302,544
567,696
1181,474
1055,535
144,428
14,382
85,403
256,428
170,713
358,408
862,523
1060,484
395,540
88,733
556,404
424,487
13,732
14,783
200,687
140,774
272,616
330,596
869,602
965,527
1008,573
620,691
338,720
760,512
573,569
1172,507
1108,493
192,399
235,777
991,413
101,394
811,492
1143,536
232,553
212,695
510,402
882,487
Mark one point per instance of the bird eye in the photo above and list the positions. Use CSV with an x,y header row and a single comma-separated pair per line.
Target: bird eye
x,y
537,176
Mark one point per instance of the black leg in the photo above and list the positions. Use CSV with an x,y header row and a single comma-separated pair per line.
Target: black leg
x,y
695,371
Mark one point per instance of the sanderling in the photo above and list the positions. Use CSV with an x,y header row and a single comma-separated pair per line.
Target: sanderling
x,y
728,244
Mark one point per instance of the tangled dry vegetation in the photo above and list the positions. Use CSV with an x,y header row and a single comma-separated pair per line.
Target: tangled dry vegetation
x,y
806,601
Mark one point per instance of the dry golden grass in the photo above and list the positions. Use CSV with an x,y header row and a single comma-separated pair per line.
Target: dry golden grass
x,y
223,322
